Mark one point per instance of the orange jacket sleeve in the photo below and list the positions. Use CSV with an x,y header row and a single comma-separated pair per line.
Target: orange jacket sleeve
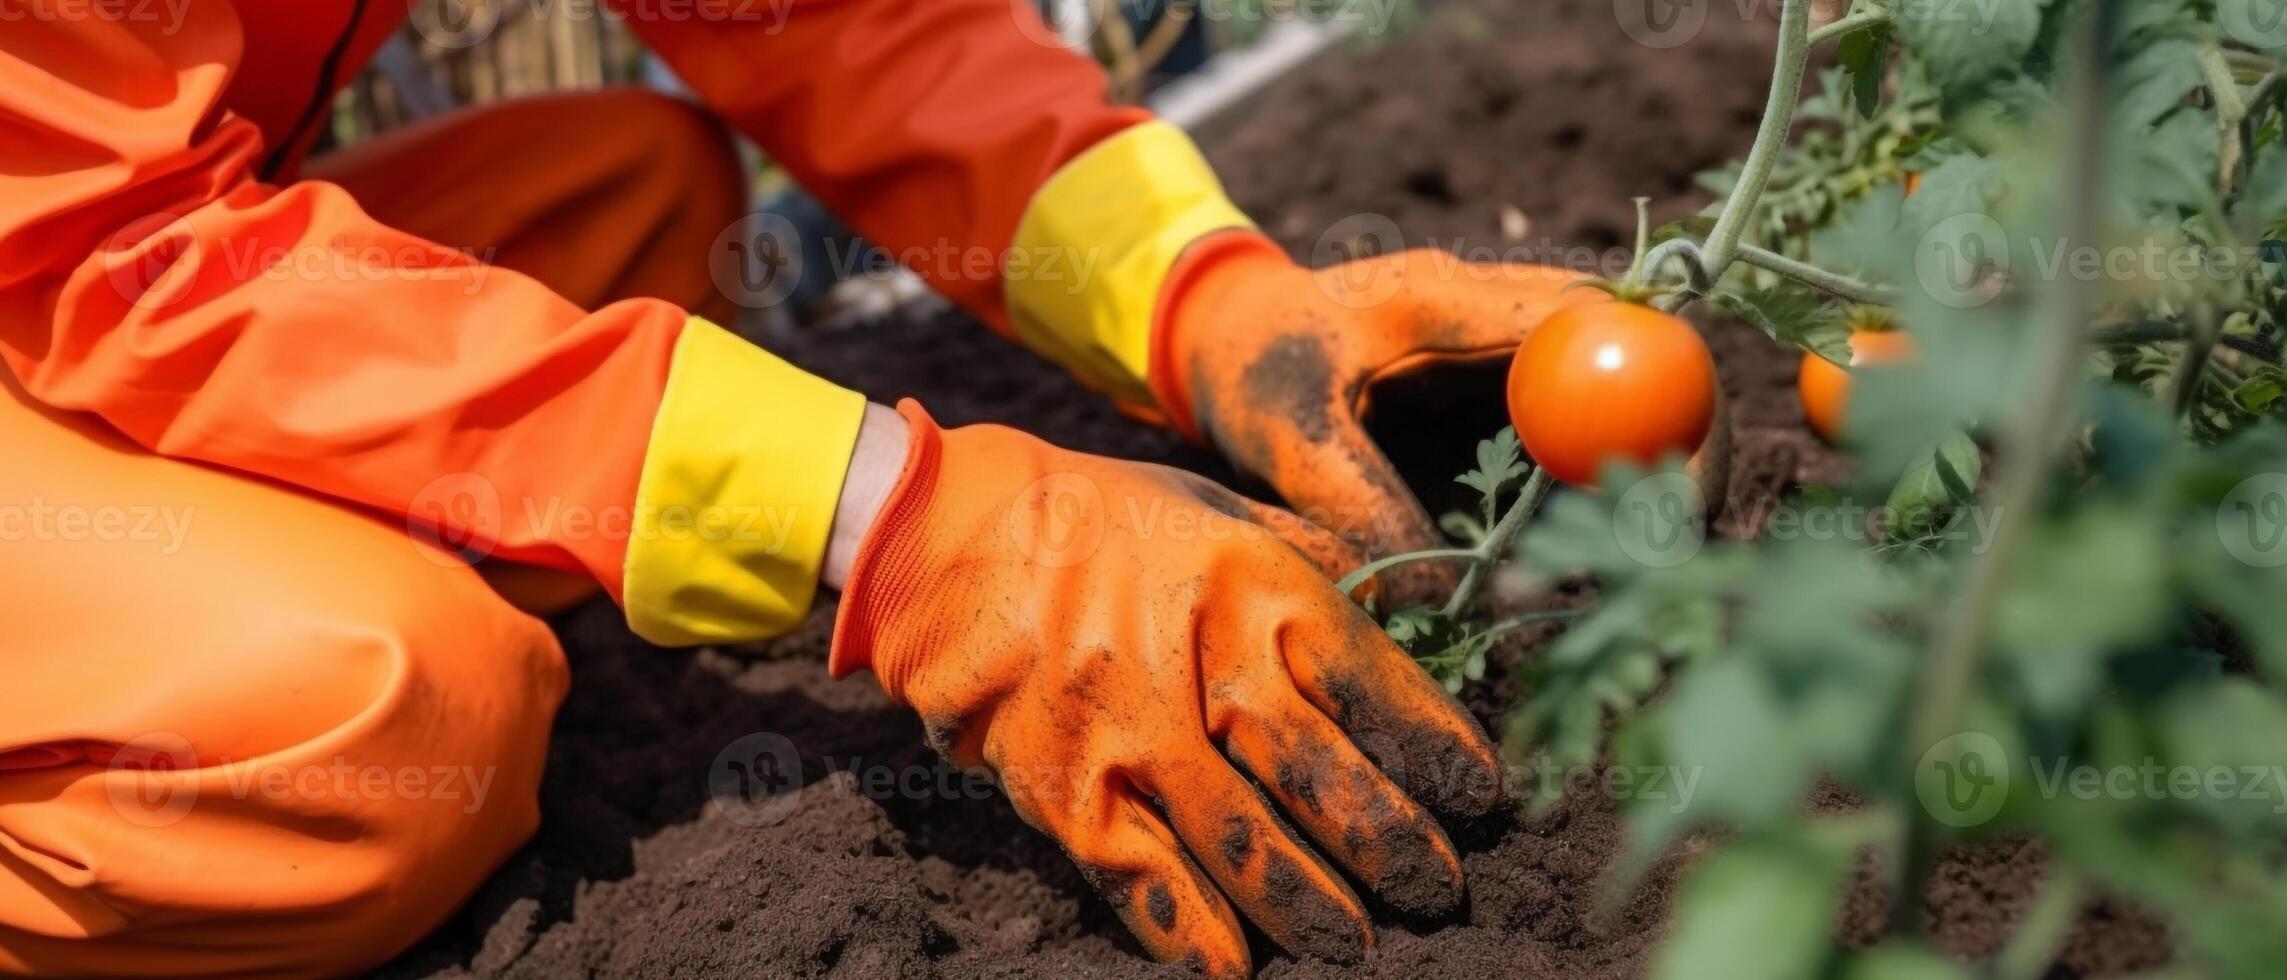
x,y
926,126
148,278
967,140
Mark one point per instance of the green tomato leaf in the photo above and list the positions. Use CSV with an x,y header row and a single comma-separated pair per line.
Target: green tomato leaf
x,y
1725,720
2085,585
1863,237
1863,55
1924,499
1961,184
1966,46
1500,462
1754,910
2227,730
2262,202
2172,166
1792,314
2152,81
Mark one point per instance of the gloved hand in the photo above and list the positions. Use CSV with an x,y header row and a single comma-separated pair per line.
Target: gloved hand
x,y
1272,364
1119,643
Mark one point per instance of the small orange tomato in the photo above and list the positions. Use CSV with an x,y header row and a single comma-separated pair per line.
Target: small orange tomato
x,y
1825,387
1615,382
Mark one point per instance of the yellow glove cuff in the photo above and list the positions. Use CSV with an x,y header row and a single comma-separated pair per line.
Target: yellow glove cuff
x,y
1097,242
737,495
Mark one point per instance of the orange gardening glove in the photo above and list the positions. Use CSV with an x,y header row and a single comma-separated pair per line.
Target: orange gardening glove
x,y
1124,646
1272,363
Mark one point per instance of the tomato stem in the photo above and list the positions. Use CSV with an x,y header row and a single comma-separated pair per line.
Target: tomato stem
x,y
2263,92
1358,576
2029,952
1810,275
1778,121
1498,542
2029,441
2200,344
2230,111
1696,279
1873,16
1635,277
1527,619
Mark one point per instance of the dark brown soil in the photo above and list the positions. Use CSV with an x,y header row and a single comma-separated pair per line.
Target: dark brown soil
x,y
1542,106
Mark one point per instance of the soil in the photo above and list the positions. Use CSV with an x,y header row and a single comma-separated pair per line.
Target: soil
x,y
878,860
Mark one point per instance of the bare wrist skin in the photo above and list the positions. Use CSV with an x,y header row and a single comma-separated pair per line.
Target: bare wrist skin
x,y
874,465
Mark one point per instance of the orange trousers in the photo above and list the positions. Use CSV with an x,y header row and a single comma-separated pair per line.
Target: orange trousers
x,y
245,731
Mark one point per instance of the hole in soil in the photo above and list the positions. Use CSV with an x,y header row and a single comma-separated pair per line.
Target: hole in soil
x,y
1569,137
1430,184
1428,424
1600,236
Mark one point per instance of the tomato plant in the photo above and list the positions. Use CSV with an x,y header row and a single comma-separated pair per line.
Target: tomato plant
x,y
2081,565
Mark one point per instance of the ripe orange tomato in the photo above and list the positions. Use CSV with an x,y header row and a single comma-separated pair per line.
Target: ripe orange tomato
x,y
1610,381
1825,387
